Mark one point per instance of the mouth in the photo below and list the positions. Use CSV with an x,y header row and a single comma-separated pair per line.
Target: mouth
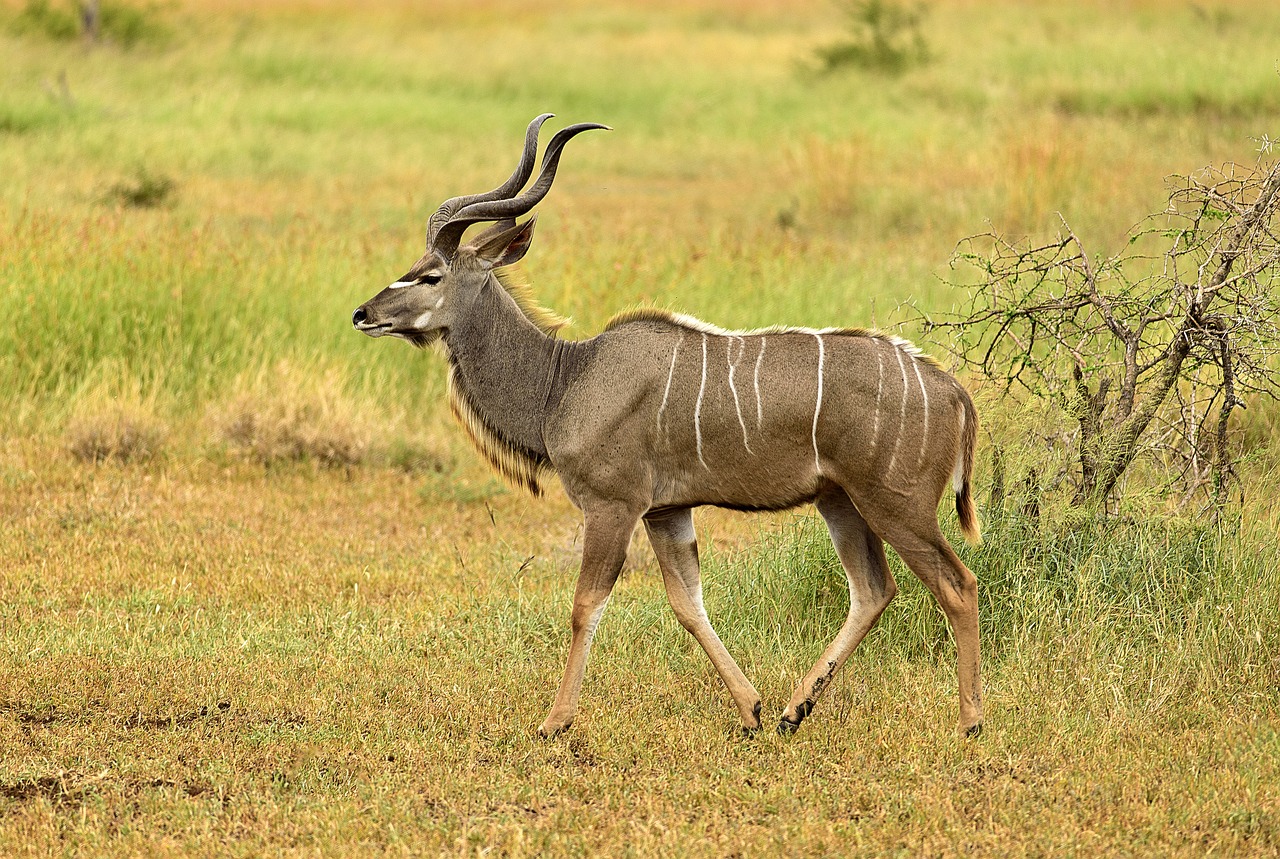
x,y
373,330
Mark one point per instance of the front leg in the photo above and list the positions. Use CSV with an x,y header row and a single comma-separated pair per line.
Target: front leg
x,y
606,535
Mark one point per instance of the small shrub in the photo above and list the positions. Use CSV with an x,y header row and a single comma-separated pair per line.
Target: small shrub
x,y
287,416
1146,351
121,433
119,24
146,190
129,26
43,18
884,36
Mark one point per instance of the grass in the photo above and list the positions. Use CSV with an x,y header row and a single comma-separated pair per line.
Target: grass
x,y
246,661
259,597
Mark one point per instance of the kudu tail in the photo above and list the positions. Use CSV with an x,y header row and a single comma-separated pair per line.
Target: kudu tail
x,y
961,478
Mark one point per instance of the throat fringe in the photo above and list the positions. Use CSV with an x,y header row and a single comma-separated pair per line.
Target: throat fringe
x,y
514,466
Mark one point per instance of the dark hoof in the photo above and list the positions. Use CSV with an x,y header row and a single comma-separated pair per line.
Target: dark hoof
x,y
786,727
749,733
973,730
551,733
751,730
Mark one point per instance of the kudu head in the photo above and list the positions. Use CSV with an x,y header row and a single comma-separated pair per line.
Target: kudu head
x,y
440,287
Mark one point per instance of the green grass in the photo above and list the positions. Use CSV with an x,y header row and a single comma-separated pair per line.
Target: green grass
x,y
306,152
258,596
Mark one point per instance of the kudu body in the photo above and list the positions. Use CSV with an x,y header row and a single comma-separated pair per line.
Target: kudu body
x,y
661,413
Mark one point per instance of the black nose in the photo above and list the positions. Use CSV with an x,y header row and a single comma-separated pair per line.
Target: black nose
x,y
358,316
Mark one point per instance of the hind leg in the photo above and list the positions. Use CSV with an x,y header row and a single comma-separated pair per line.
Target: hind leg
x,y
871,587
927,552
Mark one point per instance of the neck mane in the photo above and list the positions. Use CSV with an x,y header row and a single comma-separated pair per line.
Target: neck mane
x,y
503,366
515,281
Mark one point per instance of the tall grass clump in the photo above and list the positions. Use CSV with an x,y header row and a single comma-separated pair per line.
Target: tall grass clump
x,y
145,189
46,19
1144,580
29,113
151,295
286,413
117,23
882,36
1158,604
785,593
114,419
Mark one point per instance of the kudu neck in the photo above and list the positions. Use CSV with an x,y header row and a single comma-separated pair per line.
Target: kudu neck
x,y
507,368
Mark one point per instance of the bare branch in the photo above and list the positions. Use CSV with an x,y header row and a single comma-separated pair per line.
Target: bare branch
x,y
1183,317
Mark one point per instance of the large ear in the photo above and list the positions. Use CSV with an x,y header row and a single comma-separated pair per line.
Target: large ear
x,y
502,245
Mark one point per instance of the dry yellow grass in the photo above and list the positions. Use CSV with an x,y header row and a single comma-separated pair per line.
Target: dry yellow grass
x,y
227,660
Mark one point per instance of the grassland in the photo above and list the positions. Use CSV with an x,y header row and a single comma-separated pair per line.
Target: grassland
x,y
257,597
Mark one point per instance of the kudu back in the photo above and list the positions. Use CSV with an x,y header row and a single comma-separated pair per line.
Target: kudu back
x,y
661,413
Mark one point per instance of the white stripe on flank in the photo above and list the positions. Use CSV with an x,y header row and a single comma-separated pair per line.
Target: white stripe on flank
x,y
697,410
875,424
733,368
817,409
759,404
670,373
902,416
924,430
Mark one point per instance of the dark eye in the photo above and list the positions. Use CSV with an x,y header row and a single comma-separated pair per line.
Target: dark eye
x,y
430,279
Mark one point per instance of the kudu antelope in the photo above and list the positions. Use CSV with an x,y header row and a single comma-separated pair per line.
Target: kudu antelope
x,y
661,413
